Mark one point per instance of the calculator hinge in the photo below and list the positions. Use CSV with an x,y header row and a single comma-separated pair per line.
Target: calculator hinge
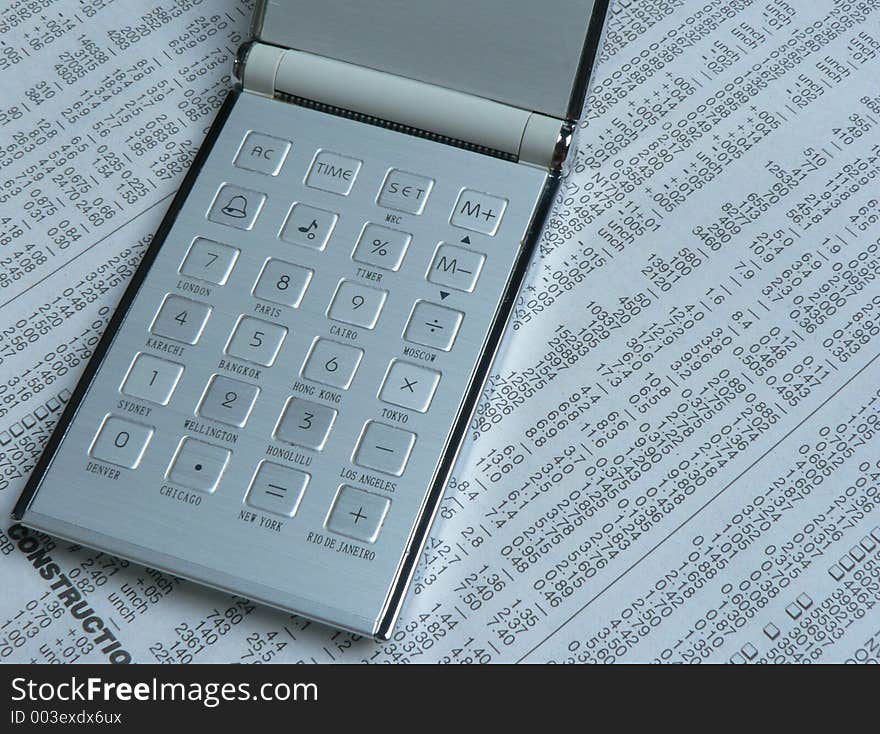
x,y
404,104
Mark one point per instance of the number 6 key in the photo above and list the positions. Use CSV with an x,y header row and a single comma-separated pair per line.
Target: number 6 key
x,y
332,363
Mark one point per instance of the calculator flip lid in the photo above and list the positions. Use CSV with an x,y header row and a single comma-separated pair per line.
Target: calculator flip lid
x,y
535,55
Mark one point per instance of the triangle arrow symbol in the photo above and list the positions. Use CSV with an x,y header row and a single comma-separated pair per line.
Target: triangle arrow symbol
x,y
443,295
466,240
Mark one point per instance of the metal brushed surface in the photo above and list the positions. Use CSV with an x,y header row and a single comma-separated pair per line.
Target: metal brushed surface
x,y
519,52
211,542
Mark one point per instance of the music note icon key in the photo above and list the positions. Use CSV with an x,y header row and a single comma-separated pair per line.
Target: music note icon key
x,y
308,226
310,230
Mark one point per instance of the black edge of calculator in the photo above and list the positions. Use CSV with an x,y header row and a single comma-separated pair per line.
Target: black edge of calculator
x,y
125,302
589,52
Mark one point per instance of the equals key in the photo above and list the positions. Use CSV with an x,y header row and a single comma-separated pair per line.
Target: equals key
x,y
277,489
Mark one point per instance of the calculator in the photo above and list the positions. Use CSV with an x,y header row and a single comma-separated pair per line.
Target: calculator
x,y
280,396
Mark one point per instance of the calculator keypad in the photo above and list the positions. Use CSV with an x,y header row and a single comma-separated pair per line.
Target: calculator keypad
x,y
181,319
286,380
288,281
256,341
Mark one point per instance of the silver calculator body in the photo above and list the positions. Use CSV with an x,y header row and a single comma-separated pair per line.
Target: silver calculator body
x,y
281,394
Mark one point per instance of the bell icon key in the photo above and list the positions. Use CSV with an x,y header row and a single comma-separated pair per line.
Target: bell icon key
x,y
236,207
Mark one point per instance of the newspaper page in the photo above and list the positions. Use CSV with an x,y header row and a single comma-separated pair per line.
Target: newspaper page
x,y
678,455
